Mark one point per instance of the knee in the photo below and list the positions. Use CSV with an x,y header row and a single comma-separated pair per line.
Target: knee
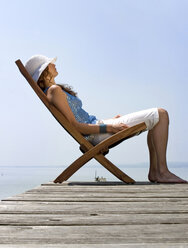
x,y
163,114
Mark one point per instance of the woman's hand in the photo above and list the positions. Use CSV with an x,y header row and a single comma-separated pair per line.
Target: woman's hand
x,y
116,127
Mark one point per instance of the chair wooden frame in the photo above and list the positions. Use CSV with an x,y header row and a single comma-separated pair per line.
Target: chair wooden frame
x,y
89,151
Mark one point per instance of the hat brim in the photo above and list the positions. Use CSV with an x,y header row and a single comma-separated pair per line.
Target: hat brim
x,y
39,70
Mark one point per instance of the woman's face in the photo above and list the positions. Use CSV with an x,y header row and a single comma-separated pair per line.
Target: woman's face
x,y
52,70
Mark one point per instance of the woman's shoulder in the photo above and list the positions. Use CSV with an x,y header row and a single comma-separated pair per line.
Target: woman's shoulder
x,y
55,89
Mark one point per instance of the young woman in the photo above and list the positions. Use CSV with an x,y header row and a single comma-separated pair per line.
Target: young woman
x,y
43,71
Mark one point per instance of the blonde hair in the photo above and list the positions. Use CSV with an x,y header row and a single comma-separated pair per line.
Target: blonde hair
x,y
46,77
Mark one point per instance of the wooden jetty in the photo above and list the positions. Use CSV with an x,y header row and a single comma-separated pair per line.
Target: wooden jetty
x,y
98,214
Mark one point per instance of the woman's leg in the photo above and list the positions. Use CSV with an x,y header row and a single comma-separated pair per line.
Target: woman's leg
x,y
157,122
159,136
153,170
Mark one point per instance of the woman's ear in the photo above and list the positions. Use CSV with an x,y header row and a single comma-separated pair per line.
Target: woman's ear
x,y
41,84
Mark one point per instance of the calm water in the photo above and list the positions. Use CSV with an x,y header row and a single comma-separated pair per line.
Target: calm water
x,y
17,179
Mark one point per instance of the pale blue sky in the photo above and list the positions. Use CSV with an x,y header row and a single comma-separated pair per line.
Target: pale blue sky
x,y
120,56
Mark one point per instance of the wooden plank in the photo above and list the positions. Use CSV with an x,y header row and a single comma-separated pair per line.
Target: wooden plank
x,y
115,189
92,219
98,200
108,195
115,234
93,207
90,191
50,189
115,185
136,215
130,245
112,193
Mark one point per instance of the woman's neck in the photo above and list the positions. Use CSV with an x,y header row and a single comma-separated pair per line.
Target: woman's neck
x,y
48,84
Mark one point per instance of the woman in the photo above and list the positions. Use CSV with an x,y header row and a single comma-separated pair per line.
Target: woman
x,y
43,71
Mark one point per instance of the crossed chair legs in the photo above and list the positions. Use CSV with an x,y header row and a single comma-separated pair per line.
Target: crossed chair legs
x,y
97,153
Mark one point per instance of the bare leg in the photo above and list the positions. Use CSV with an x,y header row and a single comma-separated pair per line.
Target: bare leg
x,y
158,139
153,170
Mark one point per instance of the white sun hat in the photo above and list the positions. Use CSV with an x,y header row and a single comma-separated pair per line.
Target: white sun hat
x,y
37,64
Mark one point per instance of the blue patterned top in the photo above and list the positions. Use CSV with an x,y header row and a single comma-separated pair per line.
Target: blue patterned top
x,y
76,106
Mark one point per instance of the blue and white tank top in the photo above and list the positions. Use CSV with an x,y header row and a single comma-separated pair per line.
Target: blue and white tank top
x,y
76,106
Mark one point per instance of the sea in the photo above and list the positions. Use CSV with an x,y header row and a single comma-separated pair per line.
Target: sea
x,y
15,180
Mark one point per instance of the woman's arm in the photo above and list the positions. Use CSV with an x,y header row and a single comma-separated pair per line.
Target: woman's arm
x,y
59,99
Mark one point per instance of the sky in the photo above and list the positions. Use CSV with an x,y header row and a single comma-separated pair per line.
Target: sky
x,y
121,56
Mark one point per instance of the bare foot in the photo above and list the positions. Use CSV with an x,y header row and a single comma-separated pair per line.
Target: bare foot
x,y
155,176
168,177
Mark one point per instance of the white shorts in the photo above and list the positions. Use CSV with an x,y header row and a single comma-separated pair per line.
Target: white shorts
x,y
149,116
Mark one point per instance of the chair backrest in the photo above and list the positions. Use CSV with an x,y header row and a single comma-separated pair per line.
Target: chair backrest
x,y
55,112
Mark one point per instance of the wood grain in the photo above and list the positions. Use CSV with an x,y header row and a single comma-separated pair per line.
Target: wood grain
x,y
96,215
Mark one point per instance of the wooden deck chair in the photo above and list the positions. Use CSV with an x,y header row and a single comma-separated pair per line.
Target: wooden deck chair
x,y
89,151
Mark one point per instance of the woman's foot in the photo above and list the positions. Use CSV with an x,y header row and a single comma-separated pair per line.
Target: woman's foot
x,y
165,177
168,177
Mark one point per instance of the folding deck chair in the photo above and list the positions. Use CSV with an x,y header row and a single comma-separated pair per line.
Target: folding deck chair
x,y
89,151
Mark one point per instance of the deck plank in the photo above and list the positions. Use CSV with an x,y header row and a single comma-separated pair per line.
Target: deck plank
x,y
94,234
92,219
89,214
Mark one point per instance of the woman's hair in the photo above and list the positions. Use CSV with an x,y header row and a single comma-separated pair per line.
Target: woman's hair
x,y
45,76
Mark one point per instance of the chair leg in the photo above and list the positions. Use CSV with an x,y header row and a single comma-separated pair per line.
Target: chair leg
x,y
109,165
69,171
113,169
95,151
77,164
